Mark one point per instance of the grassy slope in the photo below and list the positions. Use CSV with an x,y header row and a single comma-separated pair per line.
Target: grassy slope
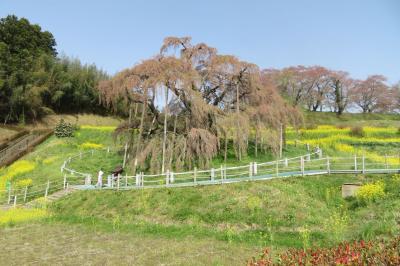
x,y
244,213
325,118
233,219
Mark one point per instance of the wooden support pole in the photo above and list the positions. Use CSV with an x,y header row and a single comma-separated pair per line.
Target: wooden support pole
x,y
15,201
222,173
65,181
126,180
302,165
281,141
286,162
126,150
212,174
277,168
250,169
195,175
255,170
171,177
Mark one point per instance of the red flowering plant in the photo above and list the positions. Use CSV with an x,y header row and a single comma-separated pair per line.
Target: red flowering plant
x,y
355,253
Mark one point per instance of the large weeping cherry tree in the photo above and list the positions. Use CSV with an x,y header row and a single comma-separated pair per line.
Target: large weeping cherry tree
x,y
188,102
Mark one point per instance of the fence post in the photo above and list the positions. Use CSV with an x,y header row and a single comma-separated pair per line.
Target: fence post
x,y
355,162
47,189
328,165
319,153
137,180
277,168
142,175
9,195
286,162
255,170
67,186
212,174
308,147
15,201
118,181
195,175
126,180
250,169
222,173
167,177
171,177
302,165
25,193
363,164
65,181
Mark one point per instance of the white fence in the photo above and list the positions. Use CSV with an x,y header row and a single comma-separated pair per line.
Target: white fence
x,y
309,164
306,165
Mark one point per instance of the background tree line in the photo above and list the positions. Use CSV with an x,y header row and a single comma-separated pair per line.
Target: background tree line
x,y
320,89
34,81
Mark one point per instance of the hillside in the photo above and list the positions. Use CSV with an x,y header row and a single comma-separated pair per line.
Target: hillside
x,y
220,224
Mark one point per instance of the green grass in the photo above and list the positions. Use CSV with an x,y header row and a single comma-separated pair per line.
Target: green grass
x,y
57,243
220,224
243,213
348,119
50,155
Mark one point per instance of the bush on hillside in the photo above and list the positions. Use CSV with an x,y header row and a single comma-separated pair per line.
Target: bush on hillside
x,y
371,192
64,129
357,253
357,131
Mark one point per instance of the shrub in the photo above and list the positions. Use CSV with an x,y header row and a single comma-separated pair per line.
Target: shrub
x,y
356,253
49,160
64,129
357,132
90,145
254,203
21,215
17,168
24,183
371,192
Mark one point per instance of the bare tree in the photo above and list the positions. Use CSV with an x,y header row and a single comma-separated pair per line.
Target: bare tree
x,y
212,97
372,95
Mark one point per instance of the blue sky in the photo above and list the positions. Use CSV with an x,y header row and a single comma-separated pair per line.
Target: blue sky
x,y
361,37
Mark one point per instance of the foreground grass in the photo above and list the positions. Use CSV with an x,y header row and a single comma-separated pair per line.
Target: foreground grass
x,y
56,243
257,214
